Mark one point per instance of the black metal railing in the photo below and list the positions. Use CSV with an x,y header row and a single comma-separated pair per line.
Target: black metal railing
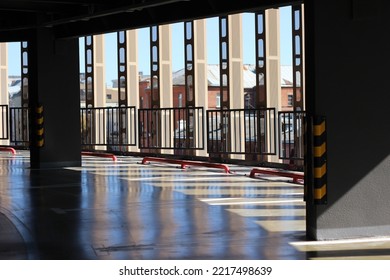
x,y
113,127
237,131
242,131
171,128
4,122
291,141
19,127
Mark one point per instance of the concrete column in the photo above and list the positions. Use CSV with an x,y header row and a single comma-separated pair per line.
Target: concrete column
x,y
273,71
200,82
99,71
4,98
236,83
347,82
165,83
54,84
133,80
99,87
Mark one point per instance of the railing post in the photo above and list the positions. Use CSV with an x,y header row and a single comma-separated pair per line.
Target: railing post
x,y
4,129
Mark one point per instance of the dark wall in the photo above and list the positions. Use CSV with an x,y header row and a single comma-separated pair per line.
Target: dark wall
x,y
348,66
54,83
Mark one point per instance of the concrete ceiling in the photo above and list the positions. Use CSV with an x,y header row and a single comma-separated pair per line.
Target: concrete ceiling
x,y
71,18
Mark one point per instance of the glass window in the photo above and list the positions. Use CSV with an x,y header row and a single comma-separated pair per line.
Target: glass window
x,y
218,100
290,100
180,100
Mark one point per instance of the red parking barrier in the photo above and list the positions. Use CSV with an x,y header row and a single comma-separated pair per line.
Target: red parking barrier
x,y
8,149
97,154
185,163
297,177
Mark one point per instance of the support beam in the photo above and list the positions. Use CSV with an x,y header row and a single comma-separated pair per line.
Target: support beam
x,y
55,96
273,67
132,78
346,74
165,80
236,83
200,73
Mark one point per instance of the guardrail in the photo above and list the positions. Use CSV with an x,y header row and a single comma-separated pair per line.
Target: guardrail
x,y
113,127
291,139
171,128
185,163
242,131
297,177
254,132
19,127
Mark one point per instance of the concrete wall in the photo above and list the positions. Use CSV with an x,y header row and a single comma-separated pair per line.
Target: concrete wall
x,y
347,64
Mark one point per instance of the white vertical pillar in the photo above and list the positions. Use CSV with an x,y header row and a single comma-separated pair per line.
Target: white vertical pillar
x,y
99,71
99,87
236,83
165,83
273,69
132,82
200,81
4,98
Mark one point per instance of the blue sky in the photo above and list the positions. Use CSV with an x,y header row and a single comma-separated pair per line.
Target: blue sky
x,y
178,46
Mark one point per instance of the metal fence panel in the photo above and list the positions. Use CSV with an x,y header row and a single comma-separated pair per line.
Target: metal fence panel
x,y
242,131
291,140
113,127
19,126
171,128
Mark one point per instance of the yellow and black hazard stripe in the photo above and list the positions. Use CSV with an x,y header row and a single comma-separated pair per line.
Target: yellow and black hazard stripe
x,y
40,140
320,160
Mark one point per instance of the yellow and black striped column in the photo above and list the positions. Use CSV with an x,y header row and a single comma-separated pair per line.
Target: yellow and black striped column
x,y
320,160
39,126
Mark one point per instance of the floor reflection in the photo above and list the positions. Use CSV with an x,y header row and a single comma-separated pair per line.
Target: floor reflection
x,y
124,210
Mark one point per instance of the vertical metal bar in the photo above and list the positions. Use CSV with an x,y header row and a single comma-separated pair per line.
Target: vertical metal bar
x,y
261,77
238,132
280,128
104,127
155,69
298,75
89,72
217,128
224,79
11,124
261,73
122,85
248,130
274,131
25,87
140,128
133,129
25,73
89,84
148,126
189,45
297,48
98,126
155,82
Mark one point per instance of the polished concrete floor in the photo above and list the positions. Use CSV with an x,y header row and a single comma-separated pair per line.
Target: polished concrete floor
x,y
126,210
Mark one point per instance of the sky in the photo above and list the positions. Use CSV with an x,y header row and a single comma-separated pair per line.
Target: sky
x,y
178,46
